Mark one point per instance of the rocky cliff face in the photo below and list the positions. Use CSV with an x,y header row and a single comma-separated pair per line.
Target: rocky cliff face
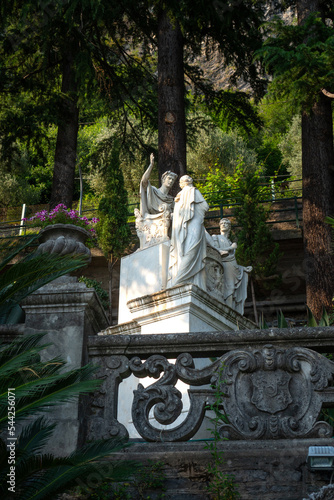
x,y
214,67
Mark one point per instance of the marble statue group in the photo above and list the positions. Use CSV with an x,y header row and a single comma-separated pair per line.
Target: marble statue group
x,y
194,255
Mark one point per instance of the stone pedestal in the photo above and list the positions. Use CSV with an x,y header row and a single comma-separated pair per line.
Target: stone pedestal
x,y
68,311
181,309
142,273
184,308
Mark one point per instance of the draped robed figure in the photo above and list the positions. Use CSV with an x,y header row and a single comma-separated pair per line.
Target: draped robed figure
x,y
188,241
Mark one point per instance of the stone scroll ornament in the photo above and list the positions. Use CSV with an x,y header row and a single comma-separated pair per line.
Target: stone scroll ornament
x,y
269,393
166,399
102,422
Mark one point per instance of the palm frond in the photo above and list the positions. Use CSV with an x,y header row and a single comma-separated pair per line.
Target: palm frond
x,y
25,277
39,475
34,436
9,249
44,393
17,358
38,385
78,465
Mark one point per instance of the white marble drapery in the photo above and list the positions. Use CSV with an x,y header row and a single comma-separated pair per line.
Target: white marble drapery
x,y
152,199
188,241
235,276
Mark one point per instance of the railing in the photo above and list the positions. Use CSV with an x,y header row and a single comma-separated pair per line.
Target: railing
x,y
272,389
289,204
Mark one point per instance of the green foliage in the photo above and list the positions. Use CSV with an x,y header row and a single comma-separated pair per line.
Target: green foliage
x,y
325,320
95,143
291,147
150,480
230,188
14,190
255,243
246,190
232,110
112,78
301,58
311,321
276,115
270,156
113,231
221,484
97,285
38,387
281,321
214,150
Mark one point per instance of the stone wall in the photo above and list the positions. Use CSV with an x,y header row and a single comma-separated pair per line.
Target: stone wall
x,y
276,381
266,470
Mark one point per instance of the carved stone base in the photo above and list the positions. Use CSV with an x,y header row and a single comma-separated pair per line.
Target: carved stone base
x,y
153,228
143,272
181,309
184,308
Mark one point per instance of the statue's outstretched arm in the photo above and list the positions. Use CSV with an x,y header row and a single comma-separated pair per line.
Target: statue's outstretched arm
x,y
146,176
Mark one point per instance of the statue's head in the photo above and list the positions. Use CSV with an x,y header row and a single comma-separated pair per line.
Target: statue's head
x,y
168,178
186,180
225,225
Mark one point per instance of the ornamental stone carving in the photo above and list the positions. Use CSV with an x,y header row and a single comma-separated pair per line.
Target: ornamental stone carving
x,y
153,228
214,273
166,401
102,422
270,393
64,239
275,393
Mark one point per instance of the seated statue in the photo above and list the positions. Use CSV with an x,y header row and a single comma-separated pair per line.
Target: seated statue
x,y
235,276
156,206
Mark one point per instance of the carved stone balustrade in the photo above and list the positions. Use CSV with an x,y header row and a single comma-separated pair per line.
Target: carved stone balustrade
x,y
275,383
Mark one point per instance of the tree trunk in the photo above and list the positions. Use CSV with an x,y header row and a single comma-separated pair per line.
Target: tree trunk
x,y
66,145
112,261
318,202
318,193
110,270
256,318
171,112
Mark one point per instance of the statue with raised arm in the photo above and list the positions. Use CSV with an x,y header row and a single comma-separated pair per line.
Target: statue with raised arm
x,y
235,276
188,241
156,206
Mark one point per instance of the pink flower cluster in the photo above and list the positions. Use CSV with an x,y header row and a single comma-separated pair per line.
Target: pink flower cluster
x,y
61,215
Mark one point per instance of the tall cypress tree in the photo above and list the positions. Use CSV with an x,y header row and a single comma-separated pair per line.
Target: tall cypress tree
x,y
113,231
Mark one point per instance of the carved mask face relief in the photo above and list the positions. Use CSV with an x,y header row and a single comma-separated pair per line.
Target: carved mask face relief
x,y
269,358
